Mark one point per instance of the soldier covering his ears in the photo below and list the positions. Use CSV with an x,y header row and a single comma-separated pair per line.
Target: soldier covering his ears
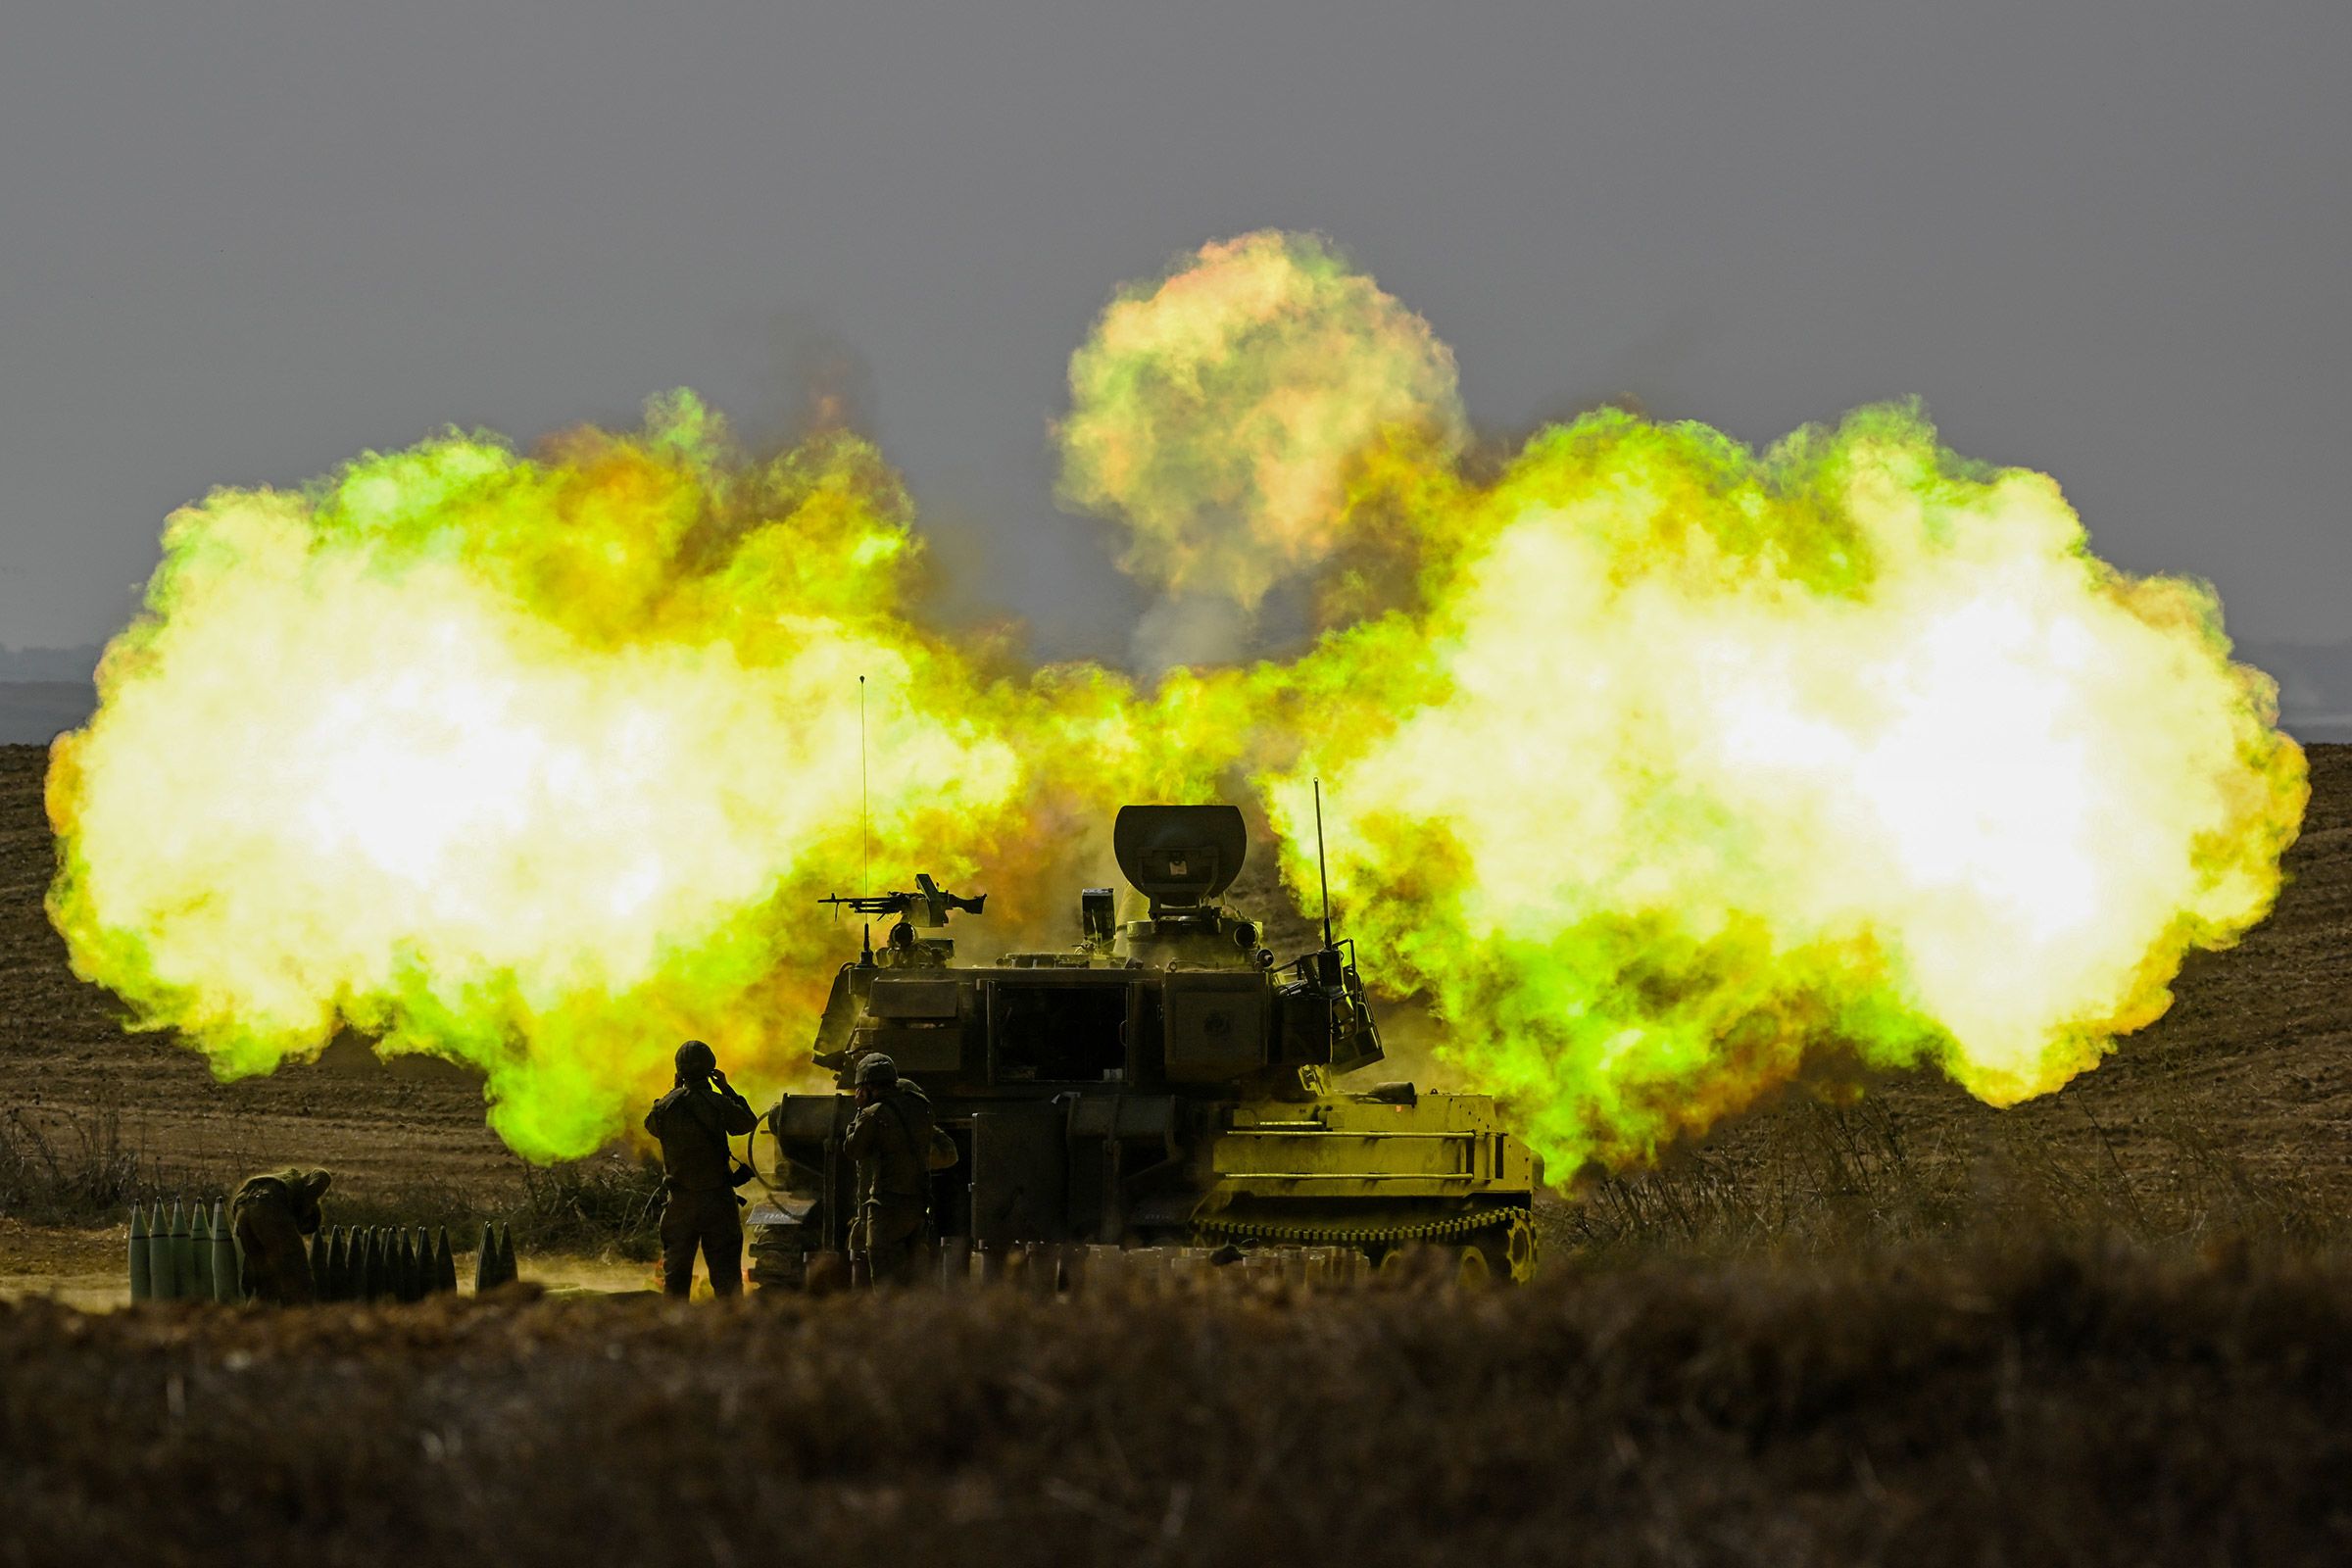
x,y
694,1122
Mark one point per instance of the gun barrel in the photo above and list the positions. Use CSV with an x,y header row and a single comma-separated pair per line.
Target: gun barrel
x,y
930,900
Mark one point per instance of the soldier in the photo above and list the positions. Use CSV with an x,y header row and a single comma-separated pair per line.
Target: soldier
x,y
272,1213
890,1137
694,1121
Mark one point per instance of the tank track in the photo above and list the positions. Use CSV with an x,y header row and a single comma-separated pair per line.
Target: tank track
x,y
1212,1228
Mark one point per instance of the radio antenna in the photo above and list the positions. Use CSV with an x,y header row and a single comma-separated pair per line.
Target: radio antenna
x,y
865,846
1322,870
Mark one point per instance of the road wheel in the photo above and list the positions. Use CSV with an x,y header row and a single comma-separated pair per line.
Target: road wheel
x,y
1505,1253
1519,1249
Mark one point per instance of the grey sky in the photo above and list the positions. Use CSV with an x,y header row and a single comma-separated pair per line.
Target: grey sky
x,y
240,242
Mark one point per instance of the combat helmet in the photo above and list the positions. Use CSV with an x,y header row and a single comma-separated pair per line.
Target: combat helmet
x,y
877,1071
696,1061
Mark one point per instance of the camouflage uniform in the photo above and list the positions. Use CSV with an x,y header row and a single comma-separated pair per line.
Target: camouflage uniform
x,y
272,1213
890,1139
694,1121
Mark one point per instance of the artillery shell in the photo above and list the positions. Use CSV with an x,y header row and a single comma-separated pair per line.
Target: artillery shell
x,y
199,1286
141,1286
228,1281
158,1255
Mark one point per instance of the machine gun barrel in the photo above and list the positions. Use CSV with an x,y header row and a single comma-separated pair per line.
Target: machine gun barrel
x,y
877,903
927,905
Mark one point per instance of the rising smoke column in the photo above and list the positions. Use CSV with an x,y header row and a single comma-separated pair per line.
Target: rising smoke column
x,y
1214,414
1661,766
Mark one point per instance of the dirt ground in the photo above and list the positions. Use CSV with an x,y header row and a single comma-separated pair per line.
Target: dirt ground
x,y
83,1269
88,1269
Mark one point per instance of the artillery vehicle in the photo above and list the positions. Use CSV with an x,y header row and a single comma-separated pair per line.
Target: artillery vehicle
x,y
1161,1082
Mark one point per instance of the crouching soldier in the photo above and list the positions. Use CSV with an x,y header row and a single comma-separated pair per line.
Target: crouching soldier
x,y
274,1212
896,1145
694,1122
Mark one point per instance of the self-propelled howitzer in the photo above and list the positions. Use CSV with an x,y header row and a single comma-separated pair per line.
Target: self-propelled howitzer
x,y
1162,1082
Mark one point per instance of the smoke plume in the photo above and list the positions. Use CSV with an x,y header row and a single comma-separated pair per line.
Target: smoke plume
x,y
1215,413
1661,766
1702,762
